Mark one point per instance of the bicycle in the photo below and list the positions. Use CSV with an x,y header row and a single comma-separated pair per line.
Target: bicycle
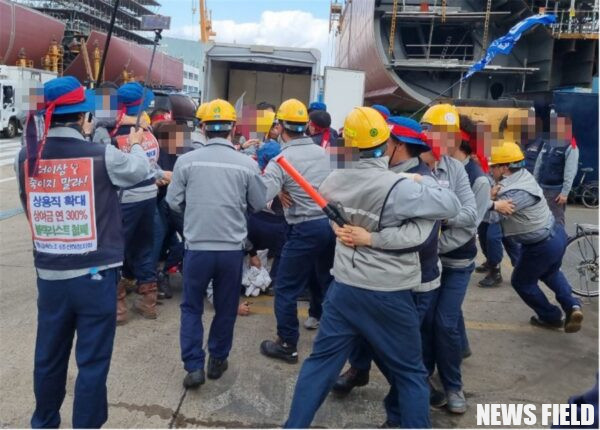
x,y
586,192
580,262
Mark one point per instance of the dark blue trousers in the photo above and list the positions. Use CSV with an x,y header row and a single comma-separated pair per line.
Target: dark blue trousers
x,y
309,247
362,354
491,242
447,321
138,229
87,307
541,262
225,270
268,231
390,322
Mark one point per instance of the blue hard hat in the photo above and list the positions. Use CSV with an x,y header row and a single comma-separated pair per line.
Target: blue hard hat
x,y
58,87
382,110
130,95
266,152
408,131
316,106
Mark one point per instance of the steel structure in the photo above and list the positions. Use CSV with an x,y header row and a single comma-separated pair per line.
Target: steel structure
x,y
414,51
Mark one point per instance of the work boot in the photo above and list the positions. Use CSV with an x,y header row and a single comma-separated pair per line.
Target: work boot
x,y
482,268
311,323
216,367
130,285
194,379
351,378
553,325
146,304
164,286
121,301
573,320
492,279
280,350
457,404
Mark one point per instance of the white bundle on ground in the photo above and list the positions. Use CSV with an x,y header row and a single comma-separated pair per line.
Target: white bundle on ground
x,y
255,280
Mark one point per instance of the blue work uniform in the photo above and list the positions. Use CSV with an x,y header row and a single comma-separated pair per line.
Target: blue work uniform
x,y
76,278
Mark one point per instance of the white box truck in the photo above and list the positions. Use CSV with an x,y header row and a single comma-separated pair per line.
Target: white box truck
x,y
16,85
343,90
261,73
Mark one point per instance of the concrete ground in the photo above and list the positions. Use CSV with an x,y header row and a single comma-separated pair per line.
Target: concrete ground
x,y
512,362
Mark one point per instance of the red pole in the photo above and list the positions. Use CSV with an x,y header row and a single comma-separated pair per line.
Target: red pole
x,y
296,176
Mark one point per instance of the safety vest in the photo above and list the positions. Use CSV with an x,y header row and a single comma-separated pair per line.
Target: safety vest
x,y
149,145
529,219
72,206
531,152
362,192
552,168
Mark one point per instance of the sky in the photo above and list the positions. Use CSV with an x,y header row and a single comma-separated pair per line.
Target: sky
x,y
294,23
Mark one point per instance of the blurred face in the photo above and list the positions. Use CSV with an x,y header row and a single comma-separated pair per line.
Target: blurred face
x,y
561,129
442,138
484,137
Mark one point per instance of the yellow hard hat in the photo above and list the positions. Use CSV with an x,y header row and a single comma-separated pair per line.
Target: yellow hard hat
x,y
506,152
442,114
365,128
201,111
219,110
292,110
264,120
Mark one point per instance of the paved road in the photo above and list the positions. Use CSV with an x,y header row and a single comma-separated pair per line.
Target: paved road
x,y
511,362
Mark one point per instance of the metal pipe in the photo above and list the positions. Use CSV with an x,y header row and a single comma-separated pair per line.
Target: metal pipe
x,y
156,39
107,42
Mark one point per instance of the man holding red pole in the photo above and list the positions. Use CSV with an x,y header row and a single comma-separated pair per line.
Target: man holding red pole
x,y
310,241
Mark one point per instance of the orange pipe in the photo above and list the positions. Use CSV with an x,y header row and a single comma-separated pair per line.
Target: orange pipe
x,y
296,176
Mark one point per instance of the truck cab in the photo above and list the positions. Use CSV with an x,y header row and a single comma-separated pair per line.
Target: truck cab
x,y
9,123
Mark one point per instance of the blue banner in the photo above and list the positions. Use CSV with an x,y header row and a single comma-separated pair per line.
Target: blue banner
x,y
503,45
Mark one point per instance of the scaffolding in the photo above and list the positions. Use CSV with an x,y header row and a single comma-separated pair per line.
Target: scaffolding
x,y
576,24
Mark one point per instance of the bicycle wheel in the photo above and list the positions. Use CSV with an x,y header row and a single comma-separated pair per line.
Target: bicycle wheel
x,y
580,264
589,196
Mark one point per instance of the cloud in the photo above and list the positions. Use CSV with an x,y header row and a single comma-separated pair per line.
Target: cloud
x,y
292,28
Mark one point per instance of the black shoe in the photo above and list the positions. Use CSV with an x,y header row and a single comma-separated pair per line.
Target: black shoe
x,y
538,322
349,379
467,352
194,379
216,368
573,320
437,398
280,350
492,279
389,425
164,286
482,268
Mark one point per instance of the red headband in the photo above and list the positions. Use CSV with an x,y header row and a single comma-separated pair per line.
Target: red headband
x,y
324,130
403,131
72,97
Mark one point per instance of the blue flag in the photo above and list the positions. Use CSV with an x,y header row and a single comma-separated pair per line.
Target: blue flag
x,y
503,45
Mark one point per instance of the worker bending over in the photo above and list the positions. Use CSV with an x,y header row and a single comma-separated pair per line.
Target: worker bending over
x,y
527,218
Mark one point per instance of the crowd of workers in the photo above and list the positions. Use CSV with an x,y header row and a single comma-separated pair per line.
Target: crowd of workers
x,y
386,287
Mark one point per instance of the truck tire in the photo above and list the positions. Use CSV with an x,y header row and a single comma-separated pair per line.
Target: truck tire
x,y
11,129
